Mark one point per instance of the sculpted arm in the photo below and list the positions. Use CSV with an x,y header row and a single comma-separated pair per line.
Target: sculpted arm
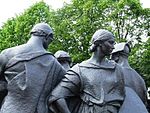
x,y
68,87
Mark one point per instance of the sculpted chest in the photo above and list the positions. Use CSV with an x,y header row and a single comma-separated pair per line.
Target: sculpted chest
x,y
95,81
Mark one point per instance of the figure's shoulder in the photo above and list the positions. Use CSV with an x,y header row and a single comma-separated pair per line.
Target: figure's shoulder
x,y
133,73
10,52
139,77
7,54
84,63
74,74
75,68
79,69
78,66
3,60
7,51
116,65
112,62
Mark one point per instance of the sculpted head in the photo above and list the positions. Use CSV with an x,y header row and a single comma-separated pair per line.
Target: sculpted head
x,y
45,31
121,49
63,56
103,39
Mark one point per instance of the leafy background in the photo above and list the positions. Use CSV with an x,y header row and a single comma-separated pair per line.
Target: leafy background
x,y
75,23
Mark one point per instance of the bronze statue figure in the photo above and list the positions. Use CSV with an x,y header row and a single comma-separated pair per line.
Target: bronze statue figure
x,y
31,73
64,59
132,78
134,83
97,82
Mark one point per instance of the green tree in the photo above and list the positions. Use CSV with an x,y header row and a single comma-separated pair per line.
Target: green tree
x,y
75,23
145,62
140,60
16,30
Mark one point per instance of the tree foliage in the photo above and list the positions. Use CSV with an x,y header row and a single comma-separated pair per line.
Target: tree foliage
x,y
140,60
16,30
75,23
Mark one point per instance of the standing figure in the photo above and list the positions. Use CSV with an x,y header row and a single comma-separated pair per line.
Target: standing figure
x,y
136,95
132,78
64,59
97,82
31,73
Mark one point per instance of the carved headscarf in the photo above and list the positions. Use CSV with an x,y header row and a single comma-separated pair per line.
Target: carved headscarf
x,y
99,36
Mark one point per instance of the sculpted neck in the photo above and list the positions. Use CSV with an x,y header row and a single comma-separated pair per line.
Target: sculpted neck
x,y
36,43
123,61
98,57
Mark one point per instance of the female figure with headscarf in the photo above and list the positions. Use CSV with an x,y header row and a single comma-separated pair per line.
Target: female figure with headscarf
x,y
97,82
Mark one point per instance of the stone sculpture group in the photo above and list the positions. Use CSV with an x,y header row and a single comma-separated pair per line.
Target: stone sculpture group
x,y
33,80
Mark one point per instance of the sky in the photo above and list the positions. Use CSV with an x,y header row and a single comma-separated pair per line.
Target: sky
x,y
10,8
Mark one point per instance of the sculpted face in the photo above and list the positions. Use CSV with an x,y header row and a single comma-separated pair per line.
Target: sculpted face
x,y
108,46
47,40
115,57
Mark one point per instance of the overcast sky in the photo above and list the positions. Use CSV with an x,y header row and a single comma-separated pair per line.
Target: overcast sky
x,y
10,8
